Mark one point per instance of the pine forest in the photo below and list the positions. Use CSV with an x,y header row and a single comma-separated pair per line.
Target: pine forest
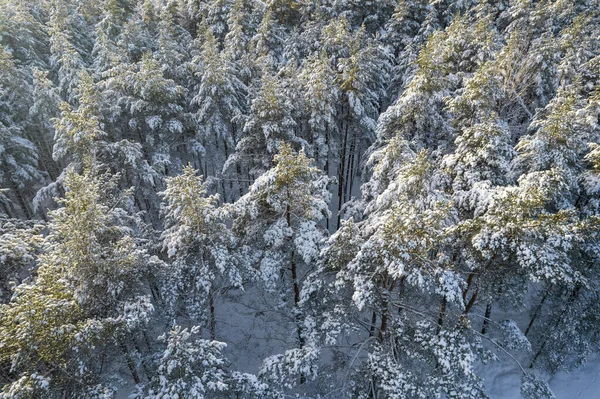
x,y
298,198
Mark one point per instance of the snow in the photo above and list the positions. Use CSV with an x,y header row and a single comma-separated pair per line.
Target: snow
x,y
502,380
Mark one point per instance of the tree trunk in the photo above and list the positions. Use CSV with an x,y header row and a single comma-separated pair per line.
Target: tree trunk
x,y
341,169
471,302
296,288
350,169
213,323
326,167
144,366
22,202
441,315
382,326
226,157
130,365
486,318
373,322
469,283
537,311
7,210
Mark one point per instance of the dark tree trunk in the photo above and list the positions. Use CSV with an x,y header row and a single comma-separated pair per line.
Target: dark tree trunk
x,y
129,360
296,288
486,317
213,323
373,322
341,169
441,315
537,312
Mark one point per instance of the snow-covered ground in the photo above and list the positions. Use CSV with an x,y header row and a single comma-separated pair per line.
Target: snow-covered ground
x,y
502,379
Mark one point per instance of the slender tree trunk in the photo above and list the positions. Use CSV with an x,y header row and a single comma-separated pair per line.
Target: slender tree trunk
x,y
537,311
486,317
147,341
352,172
441,315
382,326
373,322
347,183
351,167
326,167
296,288
401,287
341,169
7,210
22,203
537,354
469,283
213,323
102,360
129,360
471,302
238,169
227,157
143,144
144,366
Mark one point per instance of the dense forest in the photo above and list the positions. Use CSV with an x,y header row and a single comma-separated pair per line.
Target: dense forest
x,y
297,198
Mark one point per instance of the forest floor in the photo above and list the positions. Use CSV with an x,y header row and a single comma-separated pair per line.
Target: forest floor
x,y
502,380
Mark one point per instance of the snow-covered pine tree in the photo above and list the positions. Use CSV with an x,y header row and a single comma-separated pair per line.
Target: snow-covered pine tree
x,y
80,137
281,218
22,32
40,129
267,42
197,239
172,46
19,169
193,368
321,95
242,28
268,126
85,303
221,103
19,243
216,14
362,78
65,59
150,110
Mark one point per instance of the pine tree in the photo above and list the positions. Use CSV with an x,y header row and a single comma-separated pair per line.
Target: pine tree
x,y
480,162
18,245
65,57
321,96
362,76
195,368
221,102
40,129
86,298
268,126
216,16
187,369
267,42
281,217
80,138
197,239
172,52
18,156
241,30
151,107
23,33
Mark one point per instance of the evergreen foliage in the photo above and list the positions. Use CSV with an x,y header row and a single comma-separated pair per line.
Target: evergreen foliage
x,y
311,198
